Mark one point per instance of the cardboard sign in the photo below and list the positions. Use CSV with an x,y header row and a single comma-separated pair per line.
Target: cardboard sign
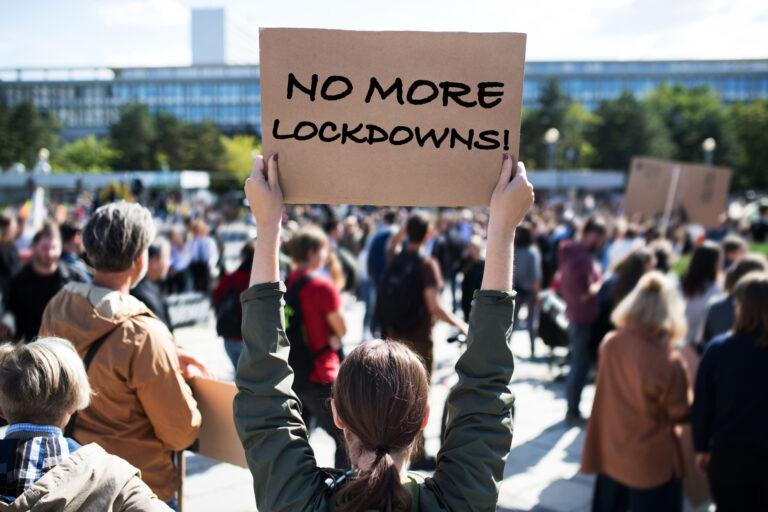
x,y
390,118
218,438
700,197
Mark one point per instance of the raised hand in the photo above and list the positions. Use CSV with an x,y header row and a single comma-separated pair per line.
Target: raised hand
x,y
264,195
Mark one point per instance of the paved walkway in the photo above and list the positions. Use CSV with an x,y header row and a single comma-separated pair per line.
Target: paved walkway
x,y
542,470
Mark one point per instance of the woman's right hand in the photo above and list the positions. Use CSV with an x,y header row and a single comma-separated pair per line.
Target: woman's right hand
x,y
264,195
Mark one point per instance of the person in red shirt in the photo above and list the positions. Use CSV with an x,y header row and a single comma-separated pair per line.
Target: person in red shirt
x,y
235,282
320,302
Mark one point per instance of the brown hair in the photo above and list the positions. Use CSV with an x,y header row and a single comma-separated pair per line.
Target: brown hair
x,y
380,396
308,239
628,272
702,270
49,229
752,262
752,295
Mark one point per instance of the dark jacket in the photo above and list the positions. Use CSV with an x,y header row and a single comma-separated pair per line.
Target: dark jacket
x,y
731,399
577,273
154,298
721,316
470,464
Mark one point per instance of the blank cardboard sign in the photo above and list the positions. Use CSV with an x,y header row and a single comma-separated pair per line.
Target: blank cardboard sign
x,y
701,196
218,438
390,118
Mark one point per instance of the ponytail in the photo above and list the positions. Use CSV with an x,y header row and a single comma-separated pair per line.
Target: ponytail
x,y
378,488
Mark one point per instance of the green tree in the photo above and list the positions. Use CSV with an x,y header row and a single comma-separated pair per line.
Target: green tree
x,y
625,127
89,154
750,123
169,142
133,138
6,151
691,115
239,153
202,147
550,113
575,151
24,132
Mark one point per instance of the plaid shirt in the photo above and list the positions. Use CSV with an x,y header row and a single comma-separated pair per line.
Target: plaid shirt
x,y
27,453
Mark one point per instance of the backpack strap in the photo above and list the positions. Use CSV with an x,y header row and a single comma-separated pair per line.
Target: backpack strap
x,y
95,346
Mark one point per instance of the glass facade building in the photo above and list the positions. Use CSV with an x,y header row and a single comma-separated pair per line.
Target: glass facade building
x,y
88,100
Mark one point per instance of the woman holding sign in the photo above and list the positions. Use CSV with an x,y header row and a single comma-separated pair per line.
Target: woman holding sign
x,y
380,395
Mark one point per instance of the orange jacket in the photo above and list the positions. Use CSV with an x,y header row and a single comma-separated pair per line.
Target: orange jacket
x,y
641,394
142,409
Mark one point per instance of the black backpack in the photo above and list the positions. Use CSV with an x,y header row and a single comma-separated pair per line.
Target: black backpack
x,y
400,303
300,358
229,316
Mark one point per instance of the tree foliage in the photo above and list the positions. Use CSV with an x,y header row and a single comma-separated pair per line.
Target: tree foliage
x,y
89,154
24,130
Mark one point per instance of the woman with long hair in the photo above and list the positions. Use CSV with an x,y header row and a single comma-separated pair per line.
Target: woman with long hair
x,y
640,395
380,397
730,411
698,285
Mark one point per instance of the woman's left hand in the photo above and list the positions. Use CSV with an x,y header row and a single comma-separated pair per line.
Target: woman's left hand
x,y
264,195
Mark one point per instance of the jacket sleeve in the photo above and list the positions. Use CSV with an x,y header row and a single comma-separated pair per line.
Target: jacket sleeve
x,y
703,411
164,394
136,496
470,464
268,413
675,399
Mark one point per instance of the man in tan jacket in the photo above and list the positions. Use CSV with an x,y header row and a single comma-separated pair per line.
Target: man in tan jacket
x,y
143,409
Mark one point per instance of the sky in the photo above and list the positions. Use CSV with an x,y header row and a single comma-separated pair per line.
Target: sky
x,y
121,33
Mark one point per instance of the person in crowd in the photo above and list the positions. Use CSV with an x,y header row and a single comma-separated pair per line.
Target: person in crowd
x,y
350,240
527,279
424,276
622,279
341,263
72,247
180,276
641,394
42,384
35,284
734,247
758,229
323,324
448,249
143,409
665,255
380,398
149,290
699,285
472,269
579,271
721,313
9,258
377,262
730,409
625,241
226,303
204,256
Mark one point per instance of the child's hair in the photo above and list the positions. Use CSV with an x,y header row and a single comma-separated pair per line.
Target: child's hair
x,y
308,239
380,396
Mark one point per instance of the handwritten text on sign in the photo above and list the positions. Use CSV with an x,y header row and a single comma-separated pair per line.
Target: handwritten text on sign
x,y
398,118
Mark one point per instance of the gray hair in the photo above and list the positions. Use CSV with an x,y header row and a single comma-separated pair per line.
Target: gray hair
x,y
117,234
42,381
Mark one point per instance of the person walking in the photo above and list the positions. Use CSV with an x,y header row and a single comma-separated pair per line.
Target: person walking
x,y
641,394
380,397
730,408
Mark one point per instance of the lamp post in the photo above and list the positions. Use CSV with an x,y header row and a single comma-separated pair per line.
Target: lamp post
x,y
708,146
551,137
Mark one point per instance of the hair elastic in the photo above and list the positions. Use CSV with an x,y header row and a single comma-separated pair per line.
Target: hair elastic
x,y
381,448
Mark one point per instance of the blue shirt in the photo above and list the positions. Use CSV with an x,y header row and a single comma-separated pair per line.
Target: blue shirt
x,y
27,453
731,404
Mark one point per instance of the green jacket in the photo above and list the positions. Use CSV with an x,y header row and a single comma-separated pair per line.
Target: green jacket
x,y
470,464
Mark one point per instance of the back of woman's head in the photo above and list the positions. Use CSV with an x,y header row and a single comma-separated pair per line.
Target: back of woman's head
x,y
380,396
524,235
629,270
751,294
307,240
653,305
702,270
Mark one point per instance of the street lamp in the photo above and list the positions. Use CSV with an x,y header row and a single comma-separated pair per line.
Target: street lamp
x,y
551,137
708,146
